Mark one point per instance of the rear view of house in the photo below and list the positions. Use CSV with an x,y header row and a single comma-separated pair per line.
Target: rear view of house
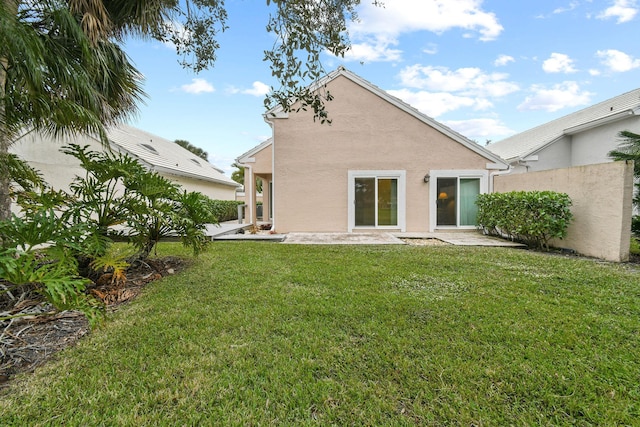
x,y
380,165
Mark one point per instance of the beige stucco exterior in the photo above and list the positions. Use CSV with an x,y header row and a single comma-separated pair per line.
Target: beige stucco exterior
x,y
602,198
370,131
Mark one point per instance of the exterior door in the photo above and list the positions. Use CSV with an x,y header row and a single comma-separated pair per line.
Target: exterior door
x,y
376,199
454,195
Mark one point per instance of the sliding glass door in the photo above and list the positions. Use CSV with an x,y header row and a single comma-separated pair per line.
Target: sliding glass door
x,y
376,202
376,199
456,201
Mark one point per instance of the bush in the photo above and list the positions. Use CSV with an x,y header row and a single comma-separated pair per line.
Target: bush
x,y
531,217
224,210
635,225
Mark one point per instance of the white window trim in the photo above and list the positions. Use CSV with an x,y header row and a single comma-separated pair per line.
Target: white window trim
x,y
400,175
483,175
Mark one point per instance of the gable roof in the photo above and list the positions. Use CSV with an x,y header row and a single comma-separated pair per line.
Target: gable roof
x,y
165,156
531,141
246,157
278,112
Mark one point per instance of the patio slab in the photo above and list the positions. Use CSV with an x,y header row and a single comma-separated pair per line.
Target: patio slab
x,y
463,238
342,239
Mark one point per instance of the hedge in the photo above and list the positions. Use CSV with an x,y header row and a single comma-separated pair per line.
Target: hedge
x,y
225,210
530,217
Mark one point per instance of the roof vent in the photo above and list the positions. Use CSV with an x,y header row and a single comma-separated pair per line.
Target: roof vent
x,y
196,162
150,148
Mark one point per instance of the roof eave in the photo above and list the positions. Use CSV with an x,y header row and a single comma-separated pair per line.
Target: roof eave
x,y
176,172
602,121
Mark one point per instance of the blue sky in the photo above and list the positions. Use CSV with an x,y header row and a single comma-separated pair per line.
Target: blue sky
x,y
488,69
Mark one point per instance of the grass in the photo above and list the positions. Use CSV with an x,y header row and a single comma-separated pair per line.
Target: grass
x,y
266,334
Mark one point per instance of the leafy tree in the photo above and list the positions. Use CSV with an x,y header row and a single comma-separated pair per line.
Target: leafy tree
x,y
195,150
62,69
629,149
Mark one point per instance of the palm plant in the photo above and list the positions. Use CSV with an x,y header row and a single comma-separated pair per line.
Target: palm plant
x,y
629,149
56,79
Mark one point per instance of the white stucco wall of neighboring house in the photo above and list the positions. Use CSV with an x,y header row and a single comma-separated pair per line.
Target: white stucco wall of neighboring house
x,y
210,189
593,145
59,169
553,156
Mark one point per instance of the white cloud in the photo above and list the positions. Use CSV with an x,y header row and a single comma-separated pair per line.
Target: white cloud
x,y
435,104
479,128
594,72
569,8
562,95
431,49
438,16
558,63
198,86
258,89
376,51
378,28
467,81
618,61
622,10
503,60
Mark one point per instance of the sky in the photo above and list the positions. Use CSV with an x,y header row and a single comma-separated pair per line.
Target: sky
x,y
487,69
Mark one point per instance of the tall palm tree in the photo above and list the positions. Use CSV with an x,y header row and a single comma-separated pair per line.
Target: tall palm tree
x,y
56,79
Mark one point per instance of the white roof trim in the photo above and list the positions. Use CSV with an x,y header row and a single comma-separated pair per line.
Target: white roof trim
x,y
601,121
248,156
341,71
177,172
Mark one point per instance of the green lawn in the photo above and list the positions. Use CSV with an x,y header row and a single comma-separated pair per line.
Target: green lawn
x,y
269,334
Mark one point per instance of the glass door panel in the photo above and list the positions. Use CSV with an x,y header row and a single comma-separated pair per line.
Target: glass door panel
x,y
446,201
365,201
387,201
469,190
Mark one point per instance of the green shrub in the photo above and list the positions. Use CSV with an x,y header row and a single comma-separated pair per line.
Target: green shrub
x,y
635,225
634,246
531,217
224,210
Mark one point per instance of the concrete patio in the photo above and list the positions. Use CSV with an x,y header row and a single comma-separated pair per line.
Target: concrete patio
x,y
239,232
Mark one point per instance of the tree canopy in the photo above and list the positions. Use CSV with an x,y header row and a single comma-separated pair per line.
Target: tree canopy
x,y
62,67
195,150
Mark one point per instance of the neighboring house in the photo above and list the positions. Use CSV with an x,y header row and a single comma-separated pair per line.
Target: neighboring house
x,y
581,138
158,154
380,165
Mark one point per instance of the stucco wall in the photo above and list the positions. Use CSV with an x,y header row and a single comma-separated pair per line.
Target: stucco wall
x,y
554,156
312,160
601,196
59,169
592,146
211,189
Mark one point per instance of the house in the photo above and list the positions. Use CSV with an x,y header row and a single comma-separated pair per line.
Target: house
x,y
581,138
379,165
158,154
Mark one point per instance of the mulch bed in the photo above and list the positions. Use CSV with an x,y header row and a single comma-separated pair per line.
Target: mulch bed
x,y
29,341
